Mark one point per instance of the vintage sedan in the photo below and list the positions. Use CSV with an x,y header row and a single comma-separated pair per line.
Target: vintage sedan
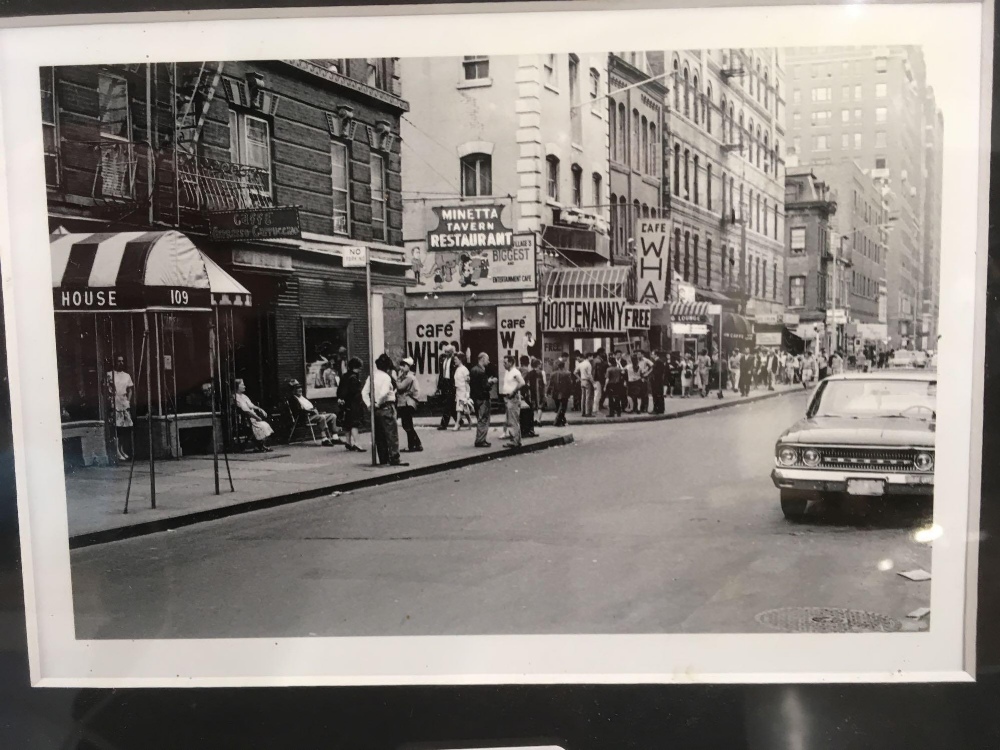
x,y
867,434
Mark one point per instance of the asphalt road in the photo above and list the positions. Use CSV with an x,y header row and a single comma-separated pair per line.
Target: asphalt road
x,y
661,527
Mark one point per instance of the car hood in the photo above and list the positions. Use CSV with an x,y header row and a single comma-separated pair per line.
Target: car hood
x,y
880,431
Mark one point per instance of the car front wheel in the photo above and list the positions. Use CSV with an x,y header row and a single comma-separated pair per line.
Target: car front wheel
x,y
794,504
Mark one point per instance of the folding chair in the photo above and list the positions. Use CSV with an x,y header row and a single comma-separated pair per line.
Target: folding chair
x,y
297,418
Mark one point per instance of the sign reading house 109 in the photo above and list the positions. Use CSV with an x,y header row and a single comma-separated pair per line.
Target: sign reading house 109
x,y
472,249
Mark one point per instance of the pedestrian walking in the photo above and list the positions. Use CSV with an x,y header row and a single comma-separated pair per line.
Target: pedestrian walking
x,y
809,369
536,393
560,389
481,384
463,394
734,370
446,385
585,375
120,391
645,373
407,402
513,382
772,369
746,371
600,379
658,380
527,411
352,407
837,363
386,430
687,375
703,368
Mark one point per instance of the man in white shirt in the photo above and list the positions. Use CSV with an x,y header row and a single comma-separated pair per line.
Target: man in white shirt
x,y
386,431
585,373
513,382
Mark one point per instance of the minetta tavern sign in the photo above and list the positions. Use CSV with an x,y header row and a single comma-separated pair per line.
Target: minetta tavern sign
x,y
255,224
471,228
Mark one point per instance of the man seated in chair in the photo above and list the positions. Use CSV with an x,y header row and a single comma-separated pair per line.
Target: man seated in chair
x,y
303,408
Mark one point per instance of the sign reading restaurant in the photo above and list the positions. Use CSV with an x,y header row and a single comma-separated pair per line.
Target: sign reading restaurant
x,y
255,224
594,316
471,249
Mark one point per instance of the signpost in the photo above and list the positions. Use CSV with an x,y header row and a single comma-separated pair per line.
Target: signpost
x,y
356,257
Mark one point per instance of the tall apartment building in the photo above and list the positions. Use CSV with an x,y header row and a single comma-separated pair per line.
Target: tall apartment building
x,y
506,186
933,152
724,142
870,105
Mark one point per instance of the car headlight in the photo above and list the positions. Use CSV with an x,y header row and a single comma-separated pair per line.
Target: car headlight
x,y
787,456
923,461
810,457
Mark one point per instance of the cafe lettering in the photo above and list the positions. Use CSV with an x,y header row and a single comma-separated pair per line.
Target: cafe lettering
x,y
594,316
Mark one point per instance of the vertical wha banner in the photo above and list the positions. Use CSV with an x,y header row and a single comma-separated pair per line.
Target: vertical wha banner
x,y
652,258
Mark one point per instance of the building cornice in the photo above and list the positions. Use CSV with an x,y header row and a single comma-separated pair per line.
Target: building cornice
x,y
356,87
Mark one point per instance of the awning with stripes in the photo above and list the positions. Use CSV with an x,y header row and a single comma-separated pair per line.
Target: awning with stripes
x,y
608,282
690,312
129,271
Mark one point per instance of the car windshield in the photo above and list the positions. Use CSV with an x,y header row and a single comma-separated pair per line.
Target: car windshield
x,y
876,398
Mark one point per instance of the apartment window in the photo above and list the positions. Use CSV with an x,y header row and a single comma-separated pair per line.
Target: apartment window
x,y
823,94
798,240
551,76
654,150
49,129
677,169
763,278
250,145
708,108
881,91
881,114
857,114
857,92
845,140
880,139
636,135
687,175
613,131
822,143
341,198
857,141
880,164
796,97
845,115
695,277
645,146
687,93
749,208
476,67
845,93
116,121
774,281
577,185
622,133
687,256
595,90
477,175
822,117
677,85
796,119
796,145
708,186
696,170
697,96
797,291
378,196
765,216
708,263
598,196
552,177
881,64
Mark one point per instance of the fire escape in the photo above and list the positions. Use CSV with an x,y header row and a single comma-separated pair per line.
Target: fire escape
x,y
733,143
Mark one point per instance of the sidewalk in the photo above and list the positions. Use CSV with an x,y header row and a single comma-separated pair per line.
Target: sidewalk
x,y
185,487
674,407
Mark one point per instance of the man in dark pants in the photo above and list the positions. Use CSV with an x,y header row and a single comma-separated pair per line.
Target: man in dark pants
x,y
480,387
386,430
560,389
600,379
447,365
747,365
527,404
657,380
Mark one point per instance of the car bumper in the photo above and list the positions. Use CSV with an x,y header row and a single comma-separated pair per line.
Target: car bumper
x,y
822,480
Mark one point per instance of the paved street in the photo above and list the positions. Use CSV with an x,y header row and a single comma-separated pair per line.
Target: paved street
x,y
667,526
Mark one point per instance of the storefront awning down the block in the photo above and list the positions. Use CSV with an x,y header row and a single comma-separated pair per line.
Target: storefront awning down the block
x,y
606,282
135,271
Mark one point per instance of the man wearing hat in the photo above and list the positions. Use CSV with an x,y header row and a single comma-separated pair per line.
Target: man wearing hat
x,y
447,365
301,406
407,395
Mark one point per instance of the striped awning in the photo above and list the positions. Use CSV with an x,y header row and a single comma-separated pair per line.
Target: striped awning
x,y
129,271
690,312
609,282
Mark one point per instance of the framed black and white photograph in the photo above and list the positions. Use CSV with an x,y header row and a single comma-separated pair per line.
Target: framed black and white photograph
x,y
531,345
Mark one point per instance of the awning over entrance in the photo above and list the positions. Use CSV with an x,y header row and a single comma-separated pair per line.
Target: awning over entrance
x,y
690,312
608,282
718,298
128,271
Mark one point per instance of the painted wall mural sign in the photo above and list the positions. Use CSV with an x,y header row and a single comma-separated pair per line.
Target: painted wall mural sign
x,y
427,333
594,316
471,250
517,333
651,262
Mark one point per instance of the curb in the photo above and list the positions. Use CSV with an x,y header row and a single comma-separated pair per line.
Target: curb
x,y
105,536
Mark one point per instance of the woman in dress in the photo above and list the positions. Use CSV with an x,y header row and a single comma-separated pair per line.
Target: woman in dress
x,y
258,425
351,405
704,367
687,375
463,393
734,370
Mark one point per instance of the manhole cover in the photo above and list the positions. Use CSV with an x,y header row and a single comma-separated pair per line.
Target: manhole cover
x,y
827,620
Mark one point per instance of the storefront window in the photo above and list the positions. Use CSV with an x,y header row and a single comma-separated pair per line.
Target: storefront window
x,y
323,339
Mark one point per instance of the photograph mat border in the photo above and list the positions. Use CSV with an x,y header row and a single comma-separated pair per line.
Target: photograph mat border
x,y
940,654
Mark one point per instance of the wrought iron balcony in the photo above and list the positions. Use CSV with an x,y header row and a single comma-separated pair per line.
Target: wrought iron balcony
x,y
212,185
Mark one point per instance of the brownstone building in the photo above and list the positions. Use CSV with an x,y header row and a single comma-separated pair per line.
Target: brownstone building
x,y
273,170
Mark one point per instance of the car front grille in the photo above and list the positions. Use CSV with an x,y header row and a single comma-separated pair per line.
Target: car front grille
x,y
867,459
